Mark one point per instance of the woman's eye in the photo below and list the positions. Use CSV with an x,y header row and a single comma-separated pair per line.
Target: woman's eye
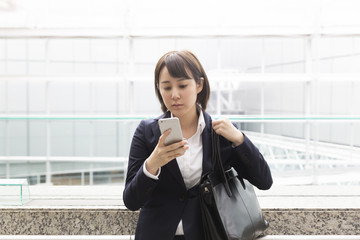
x,y
183,86
167,88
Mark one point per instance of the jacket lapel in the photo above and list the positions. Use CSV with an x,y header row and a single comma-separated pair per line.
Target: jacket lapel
x,y
206,141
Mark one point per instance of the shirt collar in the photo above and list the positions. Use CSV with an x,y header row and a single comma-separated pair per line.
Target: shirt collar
x,y
201,121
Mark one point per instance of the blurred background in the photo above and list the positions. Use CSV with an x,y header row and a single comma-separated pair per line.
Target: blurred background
x,y
76,78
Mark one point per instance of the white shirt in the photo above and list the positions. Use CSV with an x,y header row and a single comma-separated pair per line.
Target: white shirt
x,y
190,163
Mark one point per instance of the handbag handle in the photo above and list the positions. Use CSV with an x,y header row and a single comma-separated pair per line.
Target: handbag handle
x,y
216,158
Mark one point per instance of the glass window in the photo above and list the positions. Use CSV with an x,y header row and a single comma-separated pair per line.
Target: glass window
x,y
79,93
284,55
241,55
338,55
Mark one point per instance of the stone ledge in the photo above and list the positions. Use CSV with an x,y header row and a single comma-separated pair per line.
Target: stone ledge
x,y
122,222
313,221
98,210
116,237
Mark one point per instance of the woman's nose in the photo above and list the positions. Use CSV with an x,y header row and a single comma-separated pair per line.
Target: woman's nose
x,y
175,94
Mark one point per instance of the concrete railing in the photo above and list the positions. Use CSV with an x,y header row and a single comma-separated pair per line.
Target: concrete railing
x,y
97,212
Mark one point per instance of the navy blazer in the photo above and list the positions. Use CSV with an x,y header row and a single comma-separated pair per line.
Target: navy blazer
x,y
166,201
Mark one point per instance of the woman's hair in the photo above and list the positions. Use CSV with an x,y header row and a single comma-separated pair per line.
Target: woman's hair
x,y
183,64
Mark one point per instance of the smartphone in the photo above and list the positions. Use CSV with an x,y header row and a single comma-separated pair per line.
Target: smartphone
x,y
174,124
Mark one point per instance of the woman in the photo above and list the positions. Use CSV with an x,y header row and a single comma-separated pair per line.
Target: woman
x,y
163,180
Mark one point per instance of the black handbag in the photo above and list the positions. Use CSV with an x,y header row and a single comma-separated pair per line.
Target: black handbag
x,y
229,206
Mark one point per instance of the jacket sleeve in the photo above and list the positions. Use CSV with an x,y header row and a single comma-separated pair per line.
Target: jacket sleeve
x,y
138,186
251,164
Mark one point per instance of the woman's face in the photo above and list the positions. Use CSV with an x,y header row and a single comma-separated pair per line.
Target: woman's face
x,y
179,94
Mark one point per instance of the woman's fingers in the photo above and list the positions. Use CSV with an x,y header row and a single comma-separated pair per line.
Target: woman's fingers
x,y
221,126
176,150
176,145
163,154
164,136
174,155
226,129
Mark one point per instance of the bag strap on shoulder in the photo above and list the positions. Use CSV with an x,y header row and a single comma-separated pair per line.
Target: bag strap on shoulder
x,y
216,158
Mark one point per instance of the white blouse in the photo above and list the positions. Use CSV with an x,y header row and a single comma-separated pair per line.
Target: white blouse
x,y
190,163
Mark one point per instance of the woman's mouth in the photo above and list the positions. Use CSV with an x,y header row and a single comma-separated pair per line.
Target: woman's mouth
x,y
177,105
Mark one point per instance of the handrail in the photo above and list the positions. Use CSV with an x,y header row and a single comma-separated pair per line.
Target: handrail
x,y
243,118
214,76
86,159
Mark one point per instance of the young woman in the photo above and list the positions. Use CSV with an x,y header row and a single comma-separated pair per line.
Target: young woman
x,y
162,180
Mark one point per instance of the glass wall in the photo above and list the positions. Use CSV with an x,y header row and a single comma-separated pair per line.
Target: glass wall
x,y
70,99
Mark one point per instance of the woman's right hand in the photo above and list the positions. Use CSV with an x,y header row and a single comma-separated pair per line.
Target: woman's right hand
x,y
163,154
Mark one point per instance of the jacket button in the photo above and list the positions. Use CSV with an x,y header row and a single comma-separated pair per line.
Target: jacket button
x,y
181,199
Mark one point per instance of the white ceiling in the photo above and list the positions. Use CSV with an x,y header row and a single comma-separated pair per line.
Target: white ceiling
x,y
174,14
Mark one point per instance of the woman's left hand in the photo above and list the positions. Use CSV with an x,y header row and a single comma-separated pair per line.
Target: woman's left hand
x,y
226,129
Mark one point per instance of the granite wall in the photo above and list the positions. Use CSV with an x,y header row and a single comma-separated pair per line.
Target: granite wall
x,y
52,221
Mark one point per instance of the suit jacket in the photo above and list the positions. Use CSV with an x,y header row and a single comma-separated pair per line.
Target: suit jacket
x,y
166,201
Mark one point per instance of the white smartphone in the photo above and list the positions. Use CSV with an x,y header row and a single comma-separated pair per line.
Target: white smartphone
x,y
174,124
